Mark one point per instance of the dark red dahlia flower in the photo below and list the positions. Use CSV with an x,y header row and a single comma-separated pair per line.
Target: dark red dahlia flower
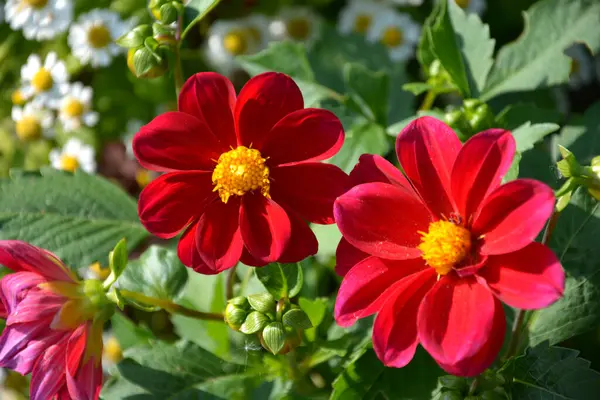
x,y
242,174
434,252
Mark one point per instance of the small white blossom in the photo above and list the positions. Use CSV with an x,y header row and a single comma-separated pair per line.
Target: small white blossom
x,y
33,121
39,19
74,155
75,106
296,23
397,32
43,81
360,16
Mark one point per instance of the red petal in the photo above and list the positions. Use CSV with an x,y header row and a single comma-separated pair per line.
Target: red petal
x,y
21,256
456,319
368,285
249,259
483,161
266,227
530,278
426,150
76,349
172,200
87,383
33,307
218,236
309,189
347,256
382,220
303,242
188,251
210,97
374,168
512,216
395,336
48,374
264,101
176,141
310,134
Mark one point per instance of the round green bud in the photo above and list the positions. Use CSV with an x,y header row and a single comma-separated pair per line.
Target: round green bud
x,y
235,316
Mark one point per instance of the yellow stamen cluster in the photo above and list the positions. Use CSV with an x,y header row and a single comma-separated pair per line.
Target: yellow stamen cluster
x,y
463,3
42,80
362,22
28,128
36,3
298,28
73,108
392,37
17,98
69,163
99,36
239,171
235,43
445,245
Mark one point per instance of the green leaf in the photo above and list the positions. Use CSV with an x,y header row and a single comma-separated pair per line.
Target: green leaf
x,y
527,134
118,258
79,217
369,90
281,280
580,136
157,273
425,53
363,137
128,333
518,114
417,88
195,10
536,59
315,309
551,373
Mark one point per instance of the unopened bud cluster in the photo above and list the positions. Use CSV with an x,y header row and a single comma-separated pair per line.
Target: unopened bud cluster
x,y
472,117
577,176
278,324
489,386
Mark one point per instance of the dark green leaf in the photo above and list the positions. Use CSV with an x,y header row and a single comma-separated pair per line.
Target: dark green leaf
x,y
527,135
315,309
128,333
281,280
195,10
79,217
519,114
363,137
369,90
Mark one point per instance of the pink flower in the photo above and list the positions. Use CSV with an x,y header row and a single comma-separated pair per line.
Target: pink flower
x,y
434,252
51,330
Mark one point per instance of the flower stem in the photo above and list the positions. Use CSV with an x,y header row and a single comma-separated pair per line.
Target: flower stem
x,y
170,306
230,282
428,101
179,81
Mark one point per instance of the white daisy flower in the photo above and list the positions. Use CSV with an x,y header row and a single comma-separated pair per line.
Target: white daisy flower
x,y
44,81
582,68
75,107
228,39
359,16
472,6
92,38
112,352
396,31
39,19
296,23
74,155
33,122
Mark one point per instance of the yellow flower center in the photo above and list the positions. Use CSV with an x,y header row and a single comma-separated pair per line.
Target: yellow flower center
x,y
73,108
17,98
42,80
29,128
463,3
362,22
36,3
392,37
101,272
69,163
298,28
143,177
445,245
235,43
239,171
112,350
99,36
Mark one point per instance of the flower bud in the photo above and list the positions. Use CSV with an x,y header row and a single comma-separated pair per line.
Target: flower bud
x,y
136,37
239,301
262,302
235,316
482,118
273,337
143,63
164,35
457,121
168,14
454,383
254,322
296,318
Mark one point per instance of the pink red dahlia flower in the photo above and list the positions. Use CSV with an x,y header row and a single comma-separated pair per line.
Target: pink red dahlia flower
x,y
434,252
242,173
51,327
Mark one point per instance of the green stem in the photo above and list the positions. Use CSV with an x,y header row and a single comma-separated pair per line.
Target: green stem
x,y
293,364
171,307
428,101
179,80
231,281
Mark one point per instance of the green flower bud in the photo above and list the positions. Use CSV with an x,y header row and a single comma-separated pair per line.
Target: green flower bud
x,y
164,35
144,63
454,382
168,14
136,37
239,301
255,321
235,316
262,302
118,258
482,118
297,318
273,337
471,104
457,121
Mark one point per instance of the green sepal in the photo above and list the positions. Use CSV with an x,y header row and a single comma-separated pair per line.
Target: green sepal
x,y
254,322
274,337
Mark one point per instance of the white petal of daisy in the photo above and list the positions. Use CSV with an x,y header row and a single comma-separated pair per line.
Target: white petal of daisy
x,y
41,82
74,155
398,32
39,19
472,6
75,106
582,69
33,122
359,16
296,23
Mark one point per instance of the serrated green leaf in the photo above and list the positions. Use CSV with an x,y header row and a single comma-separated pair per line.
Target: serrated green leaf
x,y
369,90
254,322
297,318
551,373
527,134
195,10
274,337
281,280
157,273
518,114
537,58
79,217
363,137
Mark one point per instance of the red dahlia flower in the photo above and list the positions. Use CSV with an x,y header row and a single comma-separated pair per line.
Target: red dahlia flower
x,y
434,253
52,325
242,174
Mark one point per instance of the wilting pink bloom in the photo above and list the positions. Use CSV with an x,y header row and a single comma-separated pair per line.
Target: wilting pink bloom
x,y
52,326
435,251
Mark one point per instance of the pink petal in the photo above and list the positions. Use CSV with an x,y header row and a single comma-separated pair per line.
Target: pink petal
x,y
172,200
48,376
87,383
374,168
368,285
529,278
395,336
347,256
310,134
265,226
21,256
309,189
218,235
456,319
482,162
262,103
382,220
210,97
302,243
512,216
14,288
176,141
426,150
36,306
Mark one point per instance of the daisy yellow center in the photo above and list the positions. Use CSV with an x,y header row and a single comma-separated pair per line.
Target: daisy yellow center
x,y
362,22
392,37
445,245
112,350
99,36
298,28
69,163
239,171
463,3
17,98
42,80
235,43
36,3
28,128
73,108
